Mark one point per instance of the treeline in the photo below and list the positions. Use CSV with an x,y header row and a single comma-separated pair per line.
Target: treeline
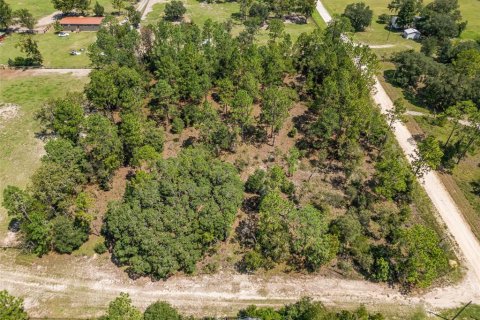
x,y
448,83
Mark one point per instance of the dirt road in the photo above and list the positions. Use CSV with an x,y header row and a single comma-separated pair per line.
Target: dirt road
x,y
42,71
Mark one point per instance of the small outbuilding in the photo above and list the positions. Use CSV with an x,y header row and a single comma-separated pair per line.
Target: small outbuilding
x,y
81,23
3,35
411,33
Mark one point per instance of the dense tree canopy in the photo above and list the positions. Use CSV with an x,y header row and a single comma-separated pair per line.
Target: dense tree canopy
x,y
175,214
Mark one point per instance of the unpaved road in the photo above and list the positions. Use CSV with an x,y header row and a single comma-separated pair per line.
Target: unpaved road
x,y
73,286
44,71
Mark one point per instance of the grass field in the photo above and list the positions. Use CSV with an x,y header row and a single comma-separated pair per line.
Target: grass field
x,y
376,34
54,49
20,150
38,8
199,12
42,8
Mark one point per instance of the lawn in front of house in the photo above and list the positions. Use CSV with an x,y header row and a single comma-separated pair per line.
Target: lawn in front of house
x,y
54,49
20,149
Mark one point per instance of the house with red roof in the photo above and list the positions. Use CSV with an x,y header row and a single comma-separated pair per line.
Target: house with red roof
x,y
81,23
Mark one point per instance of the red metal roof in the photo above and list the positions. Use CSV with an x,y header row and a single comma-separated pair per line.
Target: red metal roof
x,y
82,20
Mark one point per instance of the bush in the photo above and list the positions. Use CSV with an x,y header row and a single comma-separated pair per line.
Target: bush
x,y
100,248
67,236
256,182
177,125
384,18
252,261
161,311
292,133
174,10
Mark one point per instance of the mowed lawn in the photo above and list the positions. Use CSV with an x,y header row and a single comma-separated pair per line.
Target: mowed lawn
x,y
54,49
20,149
199,12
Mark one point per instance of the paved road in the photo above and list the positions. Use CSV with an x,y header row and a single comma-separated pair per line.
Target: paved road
x,y
468,244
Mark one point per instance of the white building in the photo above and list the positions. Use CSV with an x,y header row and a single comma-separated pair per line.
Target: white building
x,y
411,33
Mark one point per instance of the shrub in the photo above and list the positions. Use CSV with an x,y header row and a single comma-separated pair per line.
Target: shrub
x,y
100,248
67,236
384,18
177,125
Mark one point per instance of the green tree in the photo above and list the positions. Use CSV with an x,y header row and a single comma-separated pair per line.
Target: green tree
x,y
17,202
161,311
116,44
118,5
103,147
67,235
292,160
360,15
6,15
174,10
468,63
393,177
122,309
277,102
134,16
397,112
98,9
242,109
30,48
406,10
116,88
421,258
441,19
156,219
63,117
11,308
276,28
427,156
25,19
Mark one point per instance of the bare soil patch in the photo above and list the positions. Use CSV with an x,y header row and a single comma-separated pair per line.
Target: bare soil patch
x,y
8,112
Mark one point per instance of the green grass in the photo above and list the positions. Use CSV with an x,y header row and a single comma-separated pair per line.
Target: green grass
x,y
199,12
471,12
21,151
463,175
38,8
376,34
471,312
54,49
